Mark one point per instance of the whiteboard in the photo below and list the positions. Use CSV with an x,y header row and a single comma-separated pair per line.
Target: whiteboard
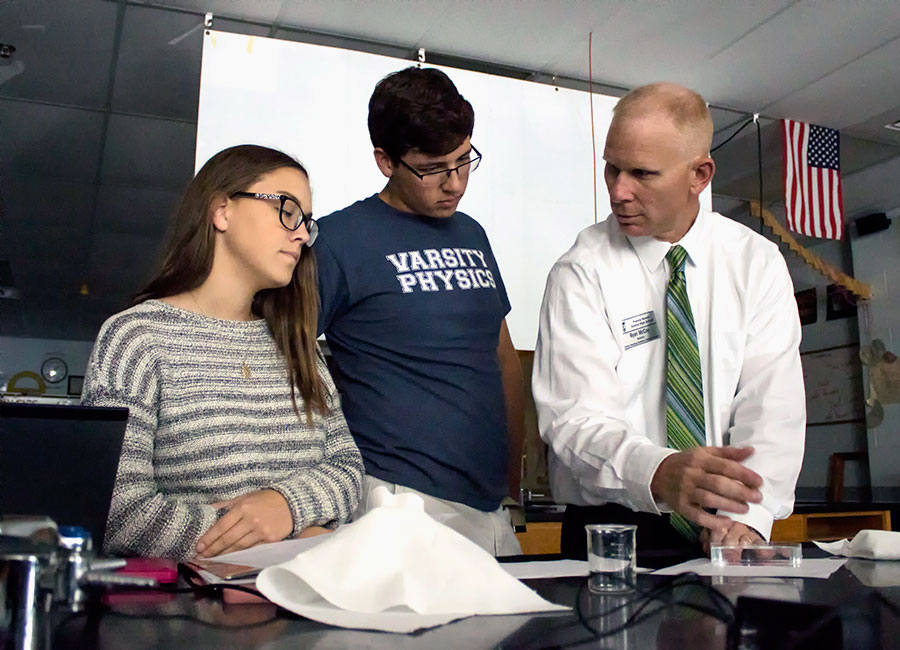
x,y
834,388
533,193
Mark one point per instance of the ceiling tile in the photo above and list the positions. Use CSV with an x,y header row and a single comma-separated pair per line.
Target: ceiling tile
x,y
121,263
859,84
48,227
225,25
135,210
396,22
50,269
857,155
44,140
469,29
864,191
63,50
645,41
151,152
59,299
264,11
41,207
51,322
791,51
4,237
12,319
165,47
874,127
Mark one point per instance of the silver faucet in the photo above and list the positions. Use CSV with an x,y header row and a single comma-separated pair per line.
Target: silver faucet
x,y
42,566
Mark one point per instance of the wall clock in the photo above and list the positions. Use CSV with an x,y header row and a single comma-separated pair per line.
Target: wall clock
x,y
54,370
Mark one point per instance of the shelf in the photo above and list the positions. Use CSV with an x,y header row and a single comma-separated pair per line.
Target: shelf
x,y
828,526
543,536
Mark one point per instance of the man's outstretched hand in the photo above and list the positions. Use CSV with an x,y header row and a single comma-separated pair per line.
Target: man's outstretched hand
x,y
707,477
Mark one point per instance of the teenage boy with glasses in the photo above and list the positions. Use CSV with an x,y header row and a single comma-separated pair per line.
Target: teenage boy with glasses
x,y
413,308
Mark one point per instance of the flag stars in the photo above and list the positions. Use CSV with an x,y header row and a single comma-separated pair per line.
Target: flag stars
x,y
823,147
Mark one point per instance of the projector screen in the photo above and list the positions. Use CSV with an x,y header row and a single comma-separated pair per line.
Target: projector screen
x,y
533,192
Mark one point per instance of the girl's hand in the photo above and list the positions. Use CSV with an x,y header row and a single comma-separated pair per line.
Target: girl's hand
x,y
252,519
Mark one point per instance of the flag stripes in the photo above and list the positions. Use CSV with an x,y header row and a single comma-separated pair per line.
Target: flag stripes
x,y
812,180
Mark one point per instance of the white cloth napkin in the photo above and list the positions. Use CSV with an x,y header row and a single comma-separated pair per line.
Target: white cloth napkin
x,y
397,570
869,544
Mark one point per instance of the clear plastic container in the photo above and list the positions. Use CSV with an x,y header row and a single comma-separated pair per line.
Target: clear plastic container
x,y
756,555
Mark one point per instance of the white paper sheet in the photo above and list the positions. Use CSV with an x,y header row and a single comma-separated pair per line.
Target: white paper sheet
x,y
538,569
266,555
809,568
545,569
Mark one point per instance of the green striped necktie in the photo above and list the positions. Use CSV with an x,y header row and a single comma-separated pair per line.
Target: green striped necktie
x,y
685,428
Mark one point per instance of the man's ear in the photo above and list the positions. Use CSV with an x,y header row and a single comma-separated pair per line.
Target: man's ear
x,y
702,171
384,162
218,209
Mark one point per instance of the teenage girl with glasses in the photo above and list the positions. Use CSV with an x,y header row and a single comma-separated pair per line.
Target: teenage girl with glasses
x,y
235,434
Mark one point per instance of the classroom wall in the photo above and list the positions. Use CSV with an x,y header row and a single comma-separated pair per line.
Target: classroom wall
x,y
18,354
875,259
823,440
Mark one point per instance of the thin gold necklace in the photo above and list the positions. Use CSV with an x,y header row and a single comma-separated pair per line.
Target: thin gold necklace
x,y
246,373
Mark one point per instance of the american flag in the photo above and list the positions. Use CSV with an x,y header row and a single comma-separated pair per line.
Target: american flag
x,y
812,180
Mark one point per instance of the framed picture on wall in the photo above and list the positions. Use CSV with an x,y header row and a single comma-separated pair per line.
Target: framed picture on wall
x,y
806,305
839,303
74,387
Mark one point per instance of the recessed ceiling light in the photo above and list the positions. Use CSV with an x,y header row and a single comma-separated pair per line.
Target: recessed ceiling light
x,y
893,127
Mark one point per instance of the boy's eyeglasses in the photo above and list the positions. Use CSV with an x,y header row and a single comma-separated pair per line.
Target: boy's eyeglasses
x,y
440,176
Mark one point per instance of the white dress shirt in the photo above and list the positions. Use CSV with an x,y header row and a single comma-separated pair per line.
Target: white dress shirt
x,y
599,368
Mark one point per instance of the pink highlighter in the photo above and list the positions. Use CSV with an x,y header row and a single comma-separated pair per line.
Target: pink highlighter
x,y
164,569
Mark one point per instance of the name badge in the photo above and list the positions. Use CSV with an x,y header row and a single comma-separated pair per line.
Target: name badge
x,y
640,329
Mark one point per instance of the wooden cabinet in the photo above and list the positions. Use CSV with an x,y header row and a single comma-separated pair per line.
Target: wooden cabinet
x,y
540,537
828,526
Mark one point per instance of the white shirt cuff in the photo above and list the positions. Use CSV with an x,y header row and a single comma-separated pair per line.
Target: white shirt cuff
x,y
638,474
756,517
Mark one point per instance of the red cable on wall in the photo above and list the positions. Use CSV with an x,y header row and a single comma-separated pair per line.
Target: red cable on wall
x,y
593,140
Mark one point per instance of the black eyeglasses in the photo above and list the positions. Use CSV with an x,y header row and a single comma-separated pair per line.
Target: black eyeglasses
x,y
290,213
440,176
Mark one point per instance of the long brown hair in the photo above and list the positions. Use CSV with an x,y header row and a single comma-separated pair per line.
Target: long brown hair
x,y
291,311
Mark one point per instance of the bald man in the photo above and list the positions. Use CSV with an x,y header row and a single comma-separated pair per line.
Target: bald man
x,y
667,372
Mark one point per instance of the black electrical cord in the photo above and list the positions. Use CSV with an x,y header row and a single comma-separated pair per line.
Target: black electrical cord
x,y
732,136
722,609
759,170
646,598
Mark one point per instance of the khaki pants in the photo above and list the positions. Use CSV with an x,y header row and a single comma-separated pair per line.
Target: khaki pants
x,y
492,531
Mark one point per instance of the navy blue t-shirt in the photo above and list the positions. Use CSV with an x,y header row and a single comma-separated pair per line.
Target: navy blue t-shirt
x,y
412,308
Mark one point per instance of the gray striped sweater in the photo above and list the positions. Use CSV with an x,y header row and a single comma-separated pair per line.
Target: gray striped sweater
x,y
210,419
